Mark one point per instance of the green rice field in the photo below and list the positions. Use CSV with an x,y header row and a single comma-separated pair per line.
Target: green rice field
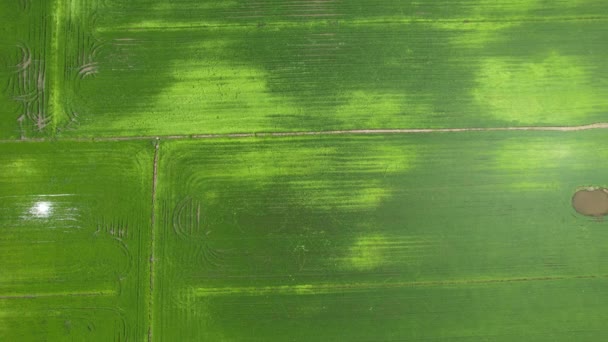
x,y
75,223
274,170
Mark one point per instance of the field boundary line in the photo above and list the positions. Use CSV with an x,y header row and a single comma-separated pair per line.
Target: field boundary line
x,y
55,105
329,288
152,238
59,294
152,26
600,125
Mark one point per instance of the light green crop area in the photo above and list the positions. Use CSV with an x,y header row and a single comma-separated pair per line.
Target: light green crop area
x,y
74,233
277,239
302,170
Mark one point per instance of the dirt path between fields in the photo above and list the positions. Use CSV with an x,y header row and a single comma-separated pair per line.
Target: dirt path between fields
x,y
603,125
152,238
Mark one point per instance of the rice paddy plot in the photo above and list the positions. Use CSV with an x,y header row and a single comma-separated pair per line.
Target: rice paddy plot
x,y
166,68
445,236
74,240
25,64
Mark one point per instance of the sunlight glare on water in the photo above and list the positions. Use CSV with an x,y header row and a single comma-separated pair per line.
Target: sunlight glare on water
x,y
42,209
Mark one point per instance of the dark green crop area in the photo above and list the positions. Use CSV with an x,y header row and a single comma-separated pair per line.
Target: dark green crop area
x,y
298,170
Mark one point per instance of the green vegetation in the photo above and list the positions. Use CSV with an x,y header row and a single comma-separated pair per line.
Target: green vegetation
x,y
24,68
110,233
358,238
75,227
136,68
324,66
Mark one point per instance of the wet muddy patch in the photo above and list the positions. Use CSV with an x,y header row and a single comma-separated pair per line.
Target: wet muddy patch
x,y
591,202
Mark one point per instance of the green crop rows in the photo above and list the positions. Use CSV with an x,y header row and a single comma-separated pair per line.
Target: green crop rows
x,y
75,225
302,170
